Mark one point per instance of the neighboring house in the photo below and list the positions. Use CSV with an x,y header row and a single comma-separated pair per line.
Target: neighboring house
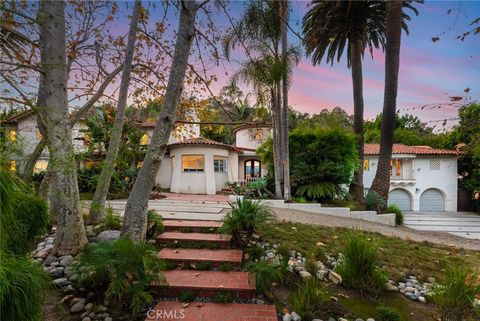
x,y
422,178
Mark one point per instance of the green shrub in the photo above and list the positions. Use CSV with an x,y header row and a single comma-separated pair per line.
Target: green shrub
x,y
387,314
33,218
244,217
307,299
374,202
21,285
321,161
120,270
398,214
359,267
265,274
223,297
203,265
255,252
456,296
112,221
284,250
154,224
226,267
187,296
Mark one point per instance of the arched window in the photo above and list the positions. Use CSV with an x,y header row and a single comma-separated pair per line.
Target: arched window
x,y
253,168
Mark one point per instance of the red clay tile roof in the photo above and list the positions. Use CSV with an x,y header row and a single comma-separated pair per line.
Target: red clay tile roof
x,y
205,141
374,149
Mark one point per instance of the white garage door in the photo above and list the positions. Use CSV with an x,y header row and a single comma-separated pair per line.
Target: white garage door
x,y
432,201
400,198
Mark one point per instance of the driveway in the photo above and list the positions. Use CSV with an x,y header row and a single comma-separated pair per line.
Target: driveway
x,y
462,224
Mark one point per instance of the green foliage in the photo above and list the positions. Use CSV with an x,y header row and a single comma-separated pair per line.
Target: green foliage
x,y
187,296
154,224
457,294
226,267
307,299
374,201
321,160
223,297
203,266
311,265
120,185
255,252
387,314
31,213
284,250
112,221
245,216
359,267
121,270
22,282
398,214
265,274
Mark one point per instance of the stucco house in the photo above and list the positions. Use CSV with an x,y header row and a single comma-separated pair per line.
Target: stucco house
x,y
422,178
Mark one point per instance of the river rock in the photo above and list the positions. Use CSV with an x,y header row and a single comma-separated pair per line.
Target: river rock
x,y
56,272
65,260
305,275
335,277
108,236
50,259
60,282
287,317
295,316
78,307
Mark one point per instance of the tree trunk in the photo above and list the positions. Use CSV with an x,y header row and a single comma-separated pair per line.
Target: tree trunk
x,y
135,219
356,186
381,182
285,147
63,194
97,209
277,154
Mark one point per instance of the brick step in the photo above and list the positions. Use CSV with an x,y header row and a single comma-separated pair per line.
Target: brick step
x,y
189,256
194,226
206,283
222,240
197,311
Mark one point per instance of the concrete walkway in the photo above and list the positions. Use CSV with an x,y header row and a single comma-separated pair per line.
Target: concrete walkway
x,y
457,223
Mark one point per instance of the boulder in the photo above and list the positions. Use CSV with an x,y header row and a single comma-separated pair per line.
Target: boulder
x,y
78,307
60,282
305,275
296,317
42,254
50,259
335,277
56,272
65,260
108,236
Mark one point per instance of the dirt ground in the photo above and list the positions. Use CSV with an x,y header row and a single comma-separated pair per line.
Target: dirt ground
x,y
400,232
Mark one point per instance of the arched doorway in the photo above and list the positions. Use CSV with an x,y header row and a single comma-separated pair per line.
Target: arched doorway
x,y
252,168
432,200
400,198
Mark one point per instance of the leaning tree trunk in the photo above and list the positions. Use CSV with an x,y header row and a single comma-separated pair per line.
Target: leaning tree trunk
x,y
285,146
381,182
356,186
277,154
63,195
135,219
32,159
97,209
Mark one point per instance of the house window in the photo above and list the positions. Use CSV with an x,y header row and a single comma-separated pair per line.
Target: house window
x,y
145,140
193,163
13,166
366,165
12,135
434,164
39,134
398,167
40,166
219,164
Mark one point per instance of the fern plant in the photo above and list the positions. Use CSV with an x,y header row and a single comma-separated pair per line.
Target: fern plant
x,y
321,191
265,275
244,217
120,270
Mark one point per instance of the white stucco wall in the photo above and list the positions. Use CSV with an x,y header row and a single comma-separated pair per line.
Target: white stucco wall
x,y
444,179
206,182
164,174
243,137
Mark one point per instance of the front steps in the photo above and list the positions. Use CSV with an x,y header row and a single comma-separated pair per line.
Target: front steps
x,y
221,240
192,256
206,284
198,311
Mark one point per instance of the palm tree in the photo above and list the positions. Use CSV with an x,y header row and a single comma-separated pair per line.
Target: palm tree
x,y
259,32
328,27
381,182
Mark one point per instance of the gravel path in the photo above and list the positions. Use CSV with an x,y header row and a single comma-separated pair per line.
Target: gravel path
x,y
400,232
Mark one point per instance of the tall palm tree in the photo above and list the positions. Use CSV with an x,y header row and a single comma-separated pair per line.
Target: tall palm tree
x,y
381,182
259,33
329,27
